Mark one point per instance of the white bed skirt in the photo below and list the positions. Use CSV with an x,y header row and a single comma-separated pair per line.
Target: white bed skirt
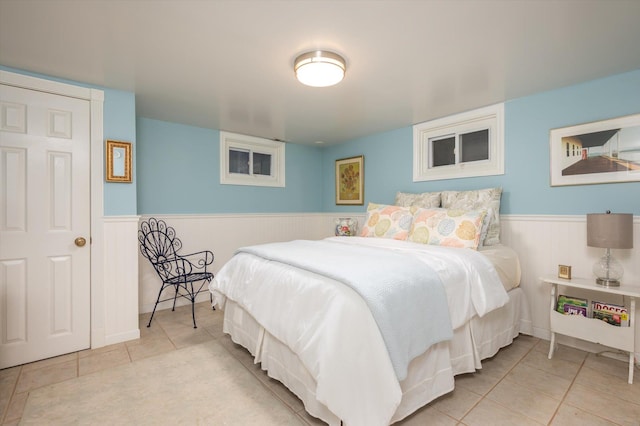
x,y
430,375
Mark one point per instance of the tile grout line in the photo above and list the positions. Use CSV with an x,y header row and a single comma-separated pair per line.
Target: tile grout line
x,y
268,388
497,383
564,396
582,365
13,392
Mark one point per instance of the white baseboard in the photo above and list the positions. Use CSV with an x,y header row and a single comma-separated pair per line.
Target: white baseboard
x,y
122,337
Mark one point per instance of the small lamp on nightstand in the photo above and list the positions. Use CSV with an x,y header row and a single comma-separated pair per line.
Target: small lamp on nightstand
x,y
609,231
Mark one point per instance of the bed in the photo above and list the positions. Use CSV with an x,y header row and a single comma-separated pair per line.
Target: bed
x,y
332,346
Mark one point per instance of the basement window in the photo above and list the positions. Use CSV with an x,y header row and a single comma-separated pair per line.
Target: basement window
x,y
247,160
463,145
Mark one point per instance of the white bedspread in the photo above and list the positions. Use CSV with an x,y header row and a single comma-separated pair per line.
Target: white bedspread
x,y
331,329
405,296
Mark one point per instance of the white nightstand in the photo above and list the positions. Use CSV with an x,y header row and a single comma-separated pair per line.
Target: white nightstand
x,y
590,329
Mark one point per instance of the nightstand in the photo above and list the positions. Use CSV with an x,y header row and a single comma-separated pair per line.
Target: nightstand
x,y
591,329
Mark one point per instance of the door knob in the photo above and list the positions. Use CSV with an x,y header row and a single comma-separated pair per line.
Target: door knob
x,y
80,242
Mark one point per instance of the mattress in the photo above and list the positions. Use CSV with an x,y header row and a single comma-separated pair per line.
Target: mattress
x,y
505,260
430,375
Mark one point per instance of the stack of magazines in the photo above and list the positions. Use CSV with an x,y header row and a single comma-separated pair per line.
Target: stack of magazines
x,y
610,313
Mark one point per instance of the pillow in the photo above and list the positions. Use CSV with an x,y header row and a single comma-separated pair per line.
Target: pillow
x,y
485,227
481,199
425,200
447,227
385,221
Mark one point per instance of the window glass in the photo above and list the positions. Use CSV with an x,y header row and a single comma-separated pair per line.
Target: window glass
x,y
261,164
239,161
444,151
474,146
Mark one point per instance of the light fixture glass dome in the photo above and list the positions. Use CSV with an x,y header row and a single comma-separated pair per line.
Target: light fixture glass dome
x,y
319,68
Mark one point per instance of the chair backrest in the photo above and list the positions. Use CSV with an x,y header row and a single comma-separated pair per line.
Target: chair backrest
x,y
159,244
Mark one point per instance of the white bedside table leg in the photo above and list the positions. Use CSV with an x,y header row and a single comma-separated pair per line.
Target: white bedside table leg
x,y
552,343
632,324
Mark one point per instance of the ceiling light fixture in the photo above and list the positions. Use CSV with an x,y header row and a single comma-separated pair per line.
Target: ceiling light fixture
x,y
319,68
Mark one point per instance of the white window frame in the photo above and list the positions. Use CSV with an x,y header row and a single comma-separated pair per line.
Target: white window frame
x,y
276,149
491,118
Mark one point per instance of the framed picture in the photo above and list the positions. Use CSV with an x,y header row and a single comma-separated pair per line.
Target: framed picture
x,y
564,272
118,157
350,181
600,152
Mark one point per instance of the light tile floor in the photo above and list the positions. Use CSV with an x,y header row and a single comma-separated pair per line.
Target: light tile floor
x,y
518,386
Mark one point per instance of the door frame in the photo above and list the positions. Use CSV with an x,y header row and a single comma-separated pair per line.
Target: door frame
x,y
96,102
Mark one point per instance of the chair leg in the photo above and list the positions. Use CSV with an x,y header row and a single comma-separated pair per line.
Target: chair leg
x,y
213,308
193,312
155,306
152,313
175,297
193,305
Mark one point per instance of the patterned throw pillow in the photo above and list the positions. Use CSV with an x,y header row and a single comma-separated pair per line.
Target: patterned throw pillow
x,y
384,221
481,199
426,200
447,227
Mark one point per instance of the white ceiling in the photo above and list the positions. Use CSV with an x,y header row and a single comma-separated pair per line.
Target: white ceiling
x,y
229,64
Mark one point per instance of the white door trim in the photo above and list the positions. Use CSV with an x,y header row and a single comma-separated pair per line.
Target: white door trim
x,y
96,99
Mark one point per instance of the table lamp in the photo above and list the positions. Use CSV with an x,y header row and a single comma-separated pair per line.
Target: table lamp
x,y
609,231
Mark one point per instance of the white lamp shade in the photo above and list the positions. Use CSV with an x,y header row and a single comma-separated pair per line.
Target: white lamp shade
x,y
319,68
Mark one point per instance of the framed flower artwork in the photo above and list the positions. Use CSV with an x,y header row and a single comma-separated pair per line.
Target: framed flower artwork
x,y
350,181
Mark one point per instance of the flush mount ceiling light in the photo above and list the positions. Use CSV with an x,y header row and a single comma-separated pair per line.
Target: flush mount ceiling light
x,y
319,68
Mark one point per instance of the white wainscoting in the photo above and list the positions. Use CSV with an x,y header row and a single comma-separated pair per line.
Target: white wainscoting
x,y
543,242
223,234
121,285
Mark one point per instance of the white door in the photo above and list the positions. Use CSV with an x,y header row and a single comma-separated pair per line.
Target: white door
x,y
44,215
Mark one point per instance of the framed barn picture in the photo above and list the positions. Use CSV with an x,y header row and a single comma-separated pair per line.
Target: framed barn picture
x,y
599,152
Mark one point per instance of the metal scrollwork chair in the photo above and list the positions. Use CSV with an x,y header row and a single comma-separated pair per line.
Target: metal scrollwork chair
x,y
187,274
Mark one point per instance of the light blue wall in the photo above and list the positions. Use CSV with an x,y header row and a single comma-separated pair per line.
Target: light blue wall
x,y
119,124
179,173
528,123
176,167
526,184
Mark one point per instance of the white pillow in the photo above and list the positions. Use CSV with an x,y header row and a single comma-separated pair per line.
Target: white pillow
x,y
425,200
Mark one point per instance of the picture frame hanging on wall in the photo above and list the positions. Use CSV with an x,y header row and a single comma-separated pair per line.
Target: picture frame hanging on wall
x,y
118,161
350,181
605,151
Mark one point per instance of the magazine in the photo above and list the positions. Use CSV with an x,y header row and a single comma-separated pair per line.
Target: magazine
x,y
610,313
569,305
